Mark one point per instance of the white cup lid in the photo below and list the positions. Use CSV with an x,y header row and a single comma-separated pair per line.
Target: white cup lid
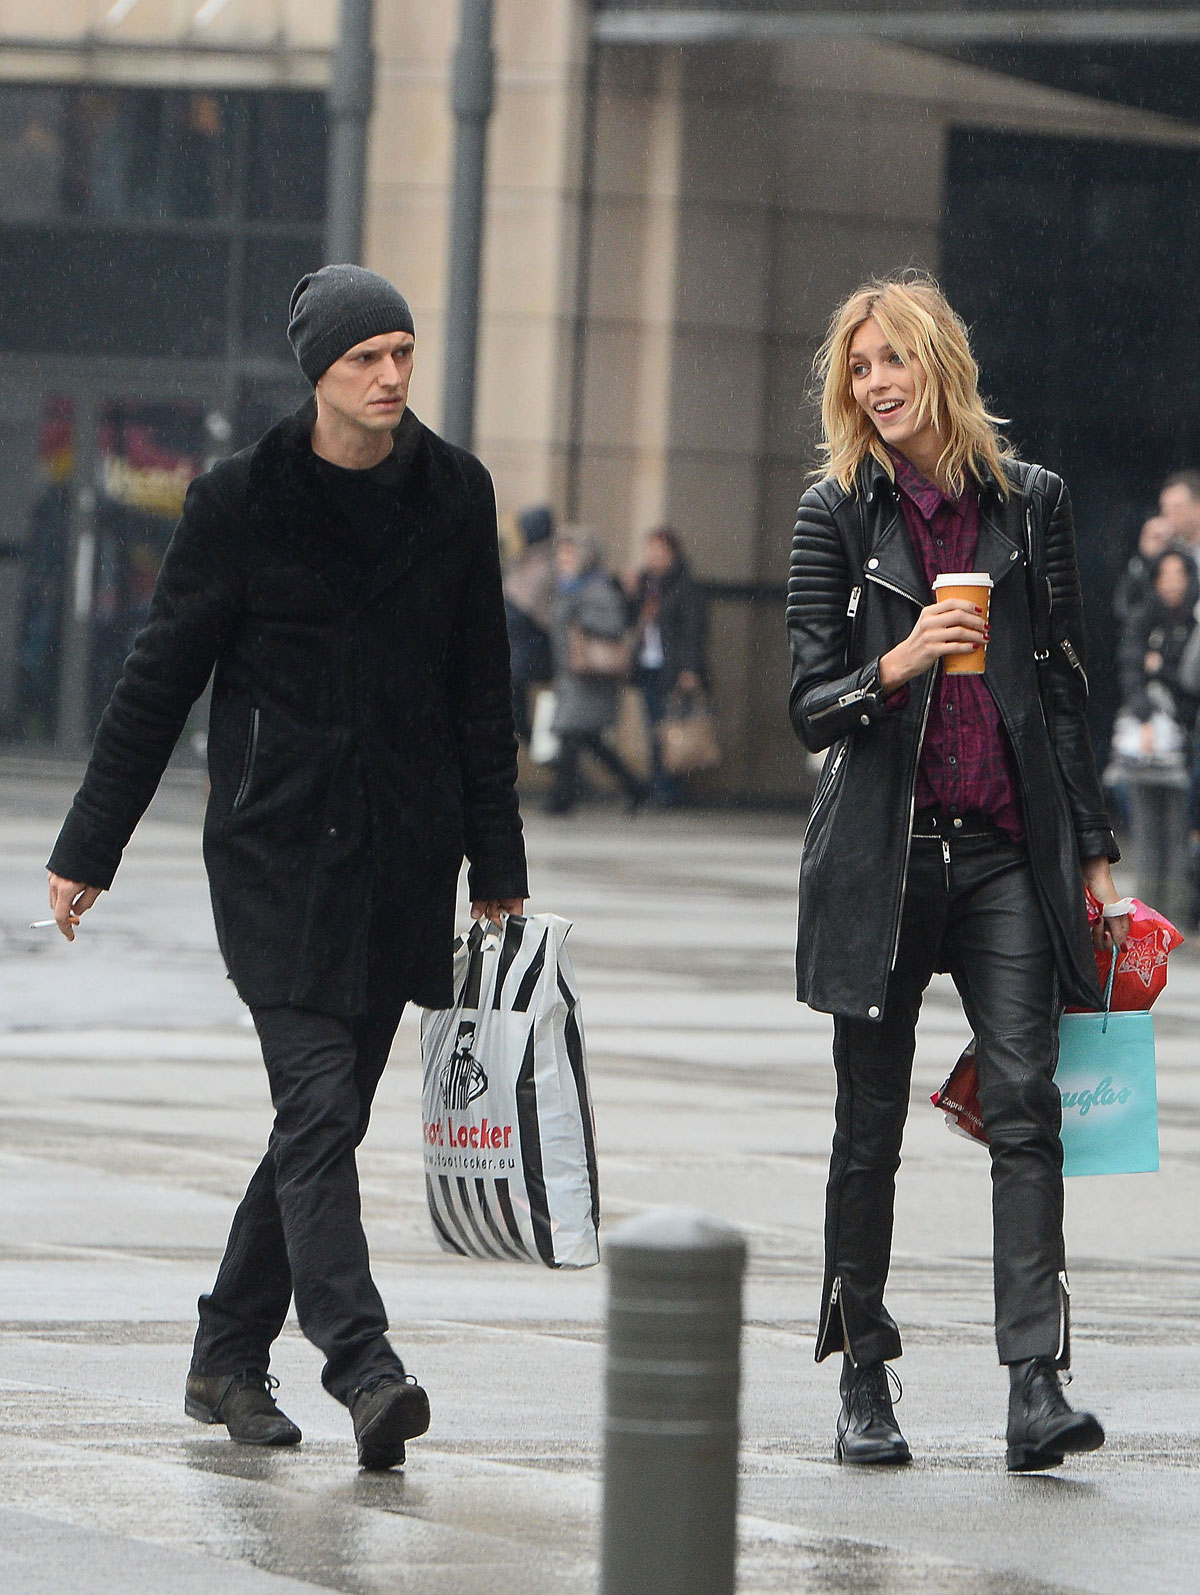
x,y
975,578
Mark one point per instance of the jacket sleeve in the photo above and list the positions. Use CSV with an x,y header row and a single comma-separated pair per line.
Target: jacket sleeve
x,y
827,700
196,601
479,690
1066,687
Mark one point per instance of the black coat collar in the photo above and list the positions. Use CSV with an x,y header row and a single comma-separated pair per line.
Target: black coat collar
x,y
288,505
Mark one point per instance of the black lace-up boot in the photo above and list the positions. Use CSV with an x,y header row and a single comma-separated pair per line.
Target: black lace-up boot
x,y
1042,1426
867,1430
387,1410
243,1403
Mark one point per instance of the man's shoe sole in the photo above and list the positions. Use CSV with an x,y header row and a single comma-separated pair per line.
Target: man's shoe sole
x,y
1085,1435
381,1442
881,1459
205,1414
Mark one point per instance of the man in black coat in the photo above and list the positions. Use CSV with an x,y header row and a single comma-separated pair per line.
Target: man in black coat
x,y
340,581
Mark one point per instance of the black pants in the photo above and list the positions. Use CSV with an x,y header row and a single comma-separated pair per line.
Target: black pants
x,y
298,1230
656,696
978,917
565,792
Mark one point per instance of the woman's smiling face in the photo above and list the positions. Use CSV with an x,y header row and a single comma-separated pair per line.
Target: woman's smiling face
x,y
887,390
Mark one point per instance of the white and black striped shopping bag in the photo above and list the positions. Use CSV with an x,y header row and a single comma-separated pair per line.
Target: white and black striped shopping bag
x,y
510,1153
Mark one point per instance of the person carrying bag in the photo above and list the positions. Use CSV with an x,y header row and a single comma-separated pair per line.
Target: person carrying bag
x,y
954,827
592,658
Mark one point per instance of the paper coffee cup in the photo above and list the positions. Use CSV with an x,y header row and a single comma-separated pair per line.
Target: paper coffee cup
x,y
974,587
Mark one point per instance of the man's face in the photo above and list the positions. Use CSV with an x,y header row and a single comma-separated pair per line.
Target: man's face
x,y
368,386
1182,511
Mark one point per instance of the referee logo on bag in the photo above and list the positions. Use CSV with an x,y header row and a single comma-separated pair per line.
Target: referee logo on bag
x,y
463,1078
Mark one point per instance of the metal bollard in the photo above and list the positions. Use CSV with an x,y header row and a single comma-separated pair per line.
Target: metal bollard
x,y
671,1424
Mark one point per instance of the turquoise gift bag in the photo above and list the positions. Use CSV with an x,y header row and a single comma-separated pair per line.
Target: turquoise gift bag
x,y
1105,1074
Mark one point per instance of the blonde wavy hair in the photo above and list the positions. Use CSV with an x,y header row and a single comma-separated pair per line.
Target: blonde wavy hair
x,y
916,318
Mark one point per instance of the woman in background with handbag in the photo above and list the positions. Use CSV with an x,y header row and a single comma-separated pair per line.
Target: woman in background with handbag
x,y
592,660
956,821
668,617
1153,733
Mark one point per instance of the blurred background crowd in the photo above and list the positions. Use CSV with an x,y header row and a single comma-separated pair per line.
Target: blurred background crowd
x,y
1154,769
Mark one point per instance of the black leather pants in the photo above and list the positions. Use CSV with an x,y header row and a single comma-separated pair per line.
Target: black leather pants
x,y
971,909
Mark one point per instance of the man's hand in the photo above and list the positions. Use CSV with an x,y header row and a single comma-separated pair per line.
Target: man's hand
x,y
68,900
495,908
951,627
1097,877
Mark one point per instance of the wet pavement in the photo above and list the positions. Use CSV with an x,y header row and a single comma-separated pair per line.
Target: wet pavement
x,y
134,1108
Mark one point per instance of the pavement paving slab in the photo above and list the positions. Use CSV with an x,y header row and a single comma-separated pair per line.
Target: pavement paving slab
x,y
133,1107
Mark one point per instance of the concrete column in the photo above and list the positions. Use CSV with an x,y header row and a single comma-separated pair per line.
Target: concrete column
x,y
351,90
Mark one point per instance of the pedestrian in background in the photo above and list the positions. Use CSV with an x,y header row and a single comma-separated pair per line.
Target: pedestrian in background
x,y
952,829
1179,504
591,666
1189,680
667,613
1133,584
529,584
1159,708
342,578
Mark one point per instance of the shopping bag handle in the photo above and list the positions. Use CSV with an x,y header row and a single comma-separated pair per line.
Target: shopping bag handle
x,y
481,930
1112,970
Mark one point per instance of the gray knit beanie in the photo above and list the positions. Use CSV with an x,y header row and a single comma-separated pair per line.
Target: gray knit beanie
x,y
335,308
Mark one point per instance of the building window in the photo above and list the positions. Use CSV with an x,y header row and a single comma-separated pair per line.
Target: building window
x,y
132,221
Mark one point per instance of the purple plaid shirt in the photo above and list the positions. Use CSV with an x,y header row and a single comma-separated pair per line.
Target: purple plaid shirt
x,y
966,763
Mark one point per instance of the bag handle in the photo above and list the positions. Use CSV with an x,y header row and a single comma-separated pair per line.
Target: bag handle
x,y
1112,970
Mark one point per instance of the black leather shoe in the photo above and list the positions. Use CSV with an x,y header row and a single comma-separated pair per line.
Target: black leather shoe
x,y
1042,1427
867,1430
243,1403
387,1411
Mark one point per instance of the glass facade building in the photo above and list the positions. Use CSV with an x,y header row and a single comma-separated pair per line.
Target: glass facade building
x,y
150,238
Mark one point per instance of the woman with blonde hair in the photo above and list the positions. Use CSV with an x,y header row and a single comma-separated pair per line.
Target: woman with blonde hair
x,y
961,816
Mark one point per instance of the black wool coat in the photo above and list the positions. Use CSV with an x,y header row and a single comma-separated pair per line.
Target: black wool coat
x,y
360,739
855,591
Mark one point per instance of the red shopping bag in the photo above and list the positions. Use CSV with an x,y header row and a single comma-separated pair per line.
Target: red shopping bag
x,y
1139,977
1142,967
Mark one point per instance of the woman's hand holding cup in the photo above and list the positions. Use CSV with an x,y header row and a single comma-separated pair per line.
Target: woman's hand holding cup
x,y
950,628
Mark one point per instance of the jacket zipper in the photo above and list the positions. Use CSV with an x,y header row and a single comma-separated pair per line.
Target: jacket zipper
x,y
1068,648
881,581
1039,654
912,786
912,809
844,702
248,761
821,801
